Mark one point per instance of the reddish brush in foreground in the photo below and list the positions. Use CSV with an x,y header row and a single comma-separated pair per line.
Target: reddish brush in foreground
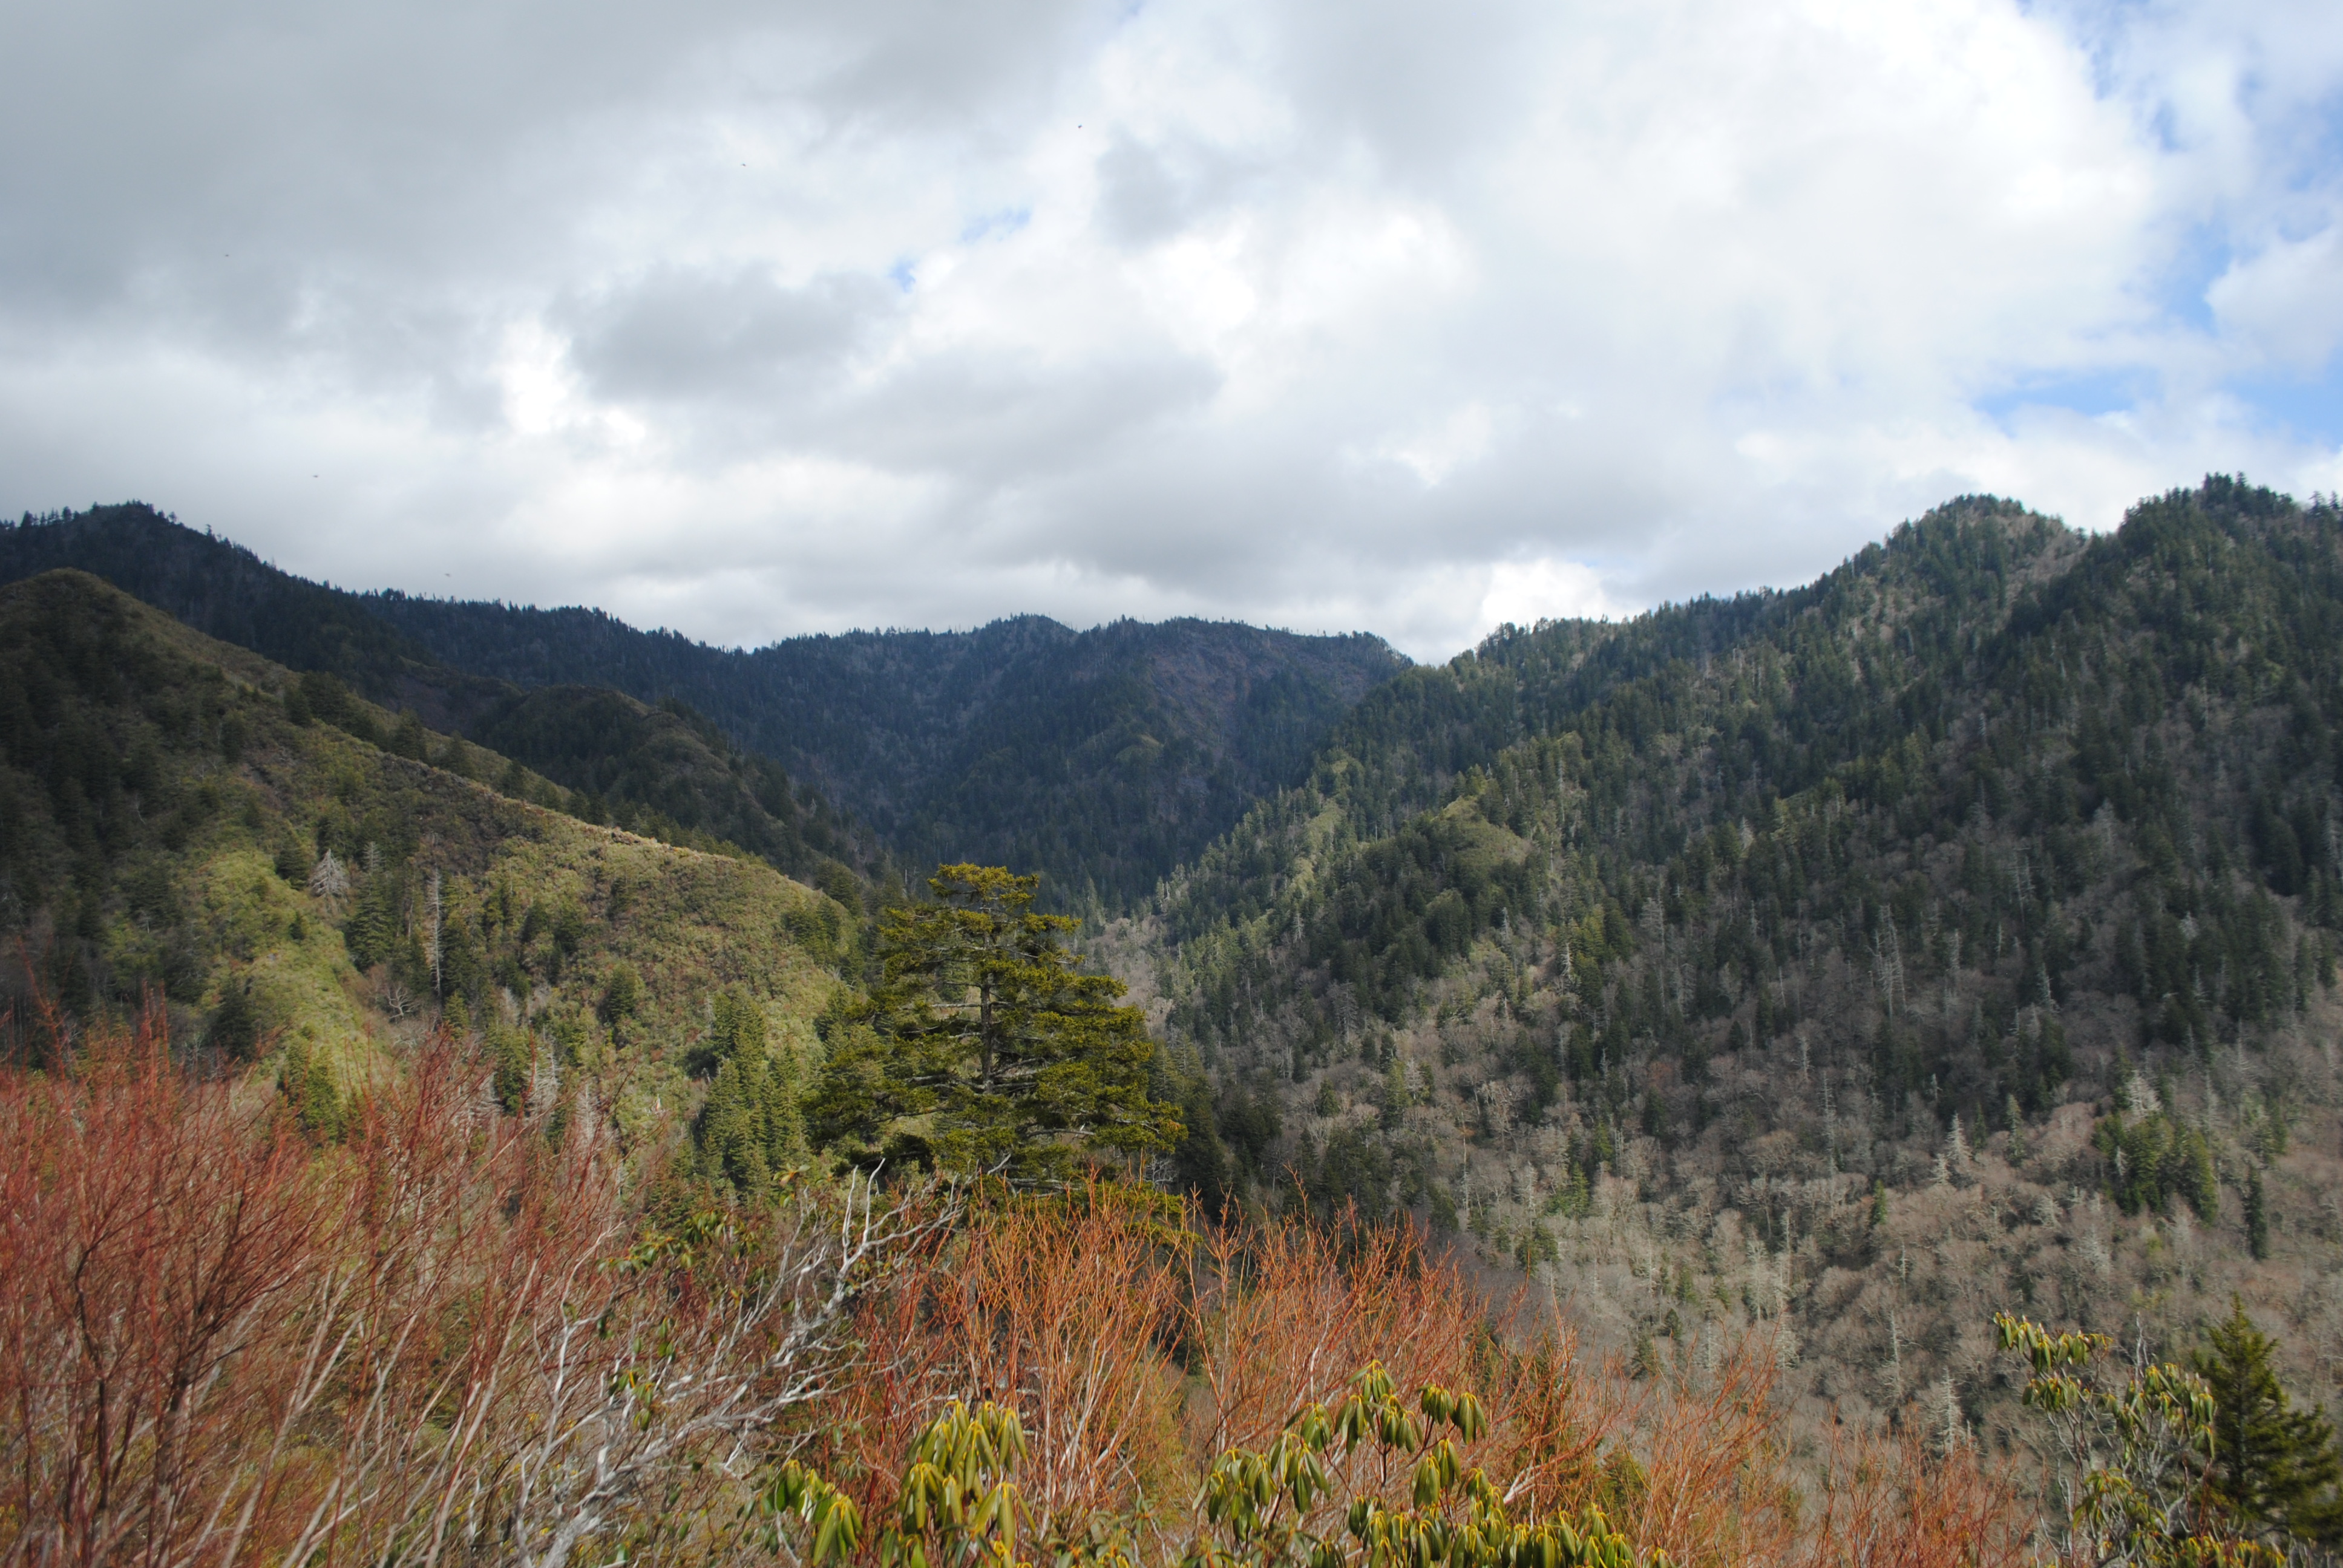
x,y
448,1337
154,1238
1894,1505
455,1336
1133,1365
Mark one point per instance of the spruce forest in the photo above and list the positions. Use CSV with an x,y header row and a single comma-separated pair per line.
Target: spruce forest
x,y
1837,1075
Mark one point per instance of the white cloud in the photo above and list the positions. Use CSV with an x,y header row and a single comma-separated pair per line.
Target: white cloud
x,y
2285,302
753,320
1434,452
1523,593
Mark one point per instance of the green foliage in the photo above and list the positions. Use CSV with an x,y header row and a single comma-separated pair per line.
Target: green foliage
x,y
985,1048
824,930
234,1028
2256,1217
622,996
735,1026
748,1133
406,738
2137,1443
958,1505
325,698
307,1083
1264,1507
2274,1470
381,925
515,1053
1353,1171
2155,1159
1202,1164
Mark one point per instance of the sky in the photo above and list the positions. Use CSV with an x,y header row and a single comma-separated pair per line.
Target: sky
x,y
757,320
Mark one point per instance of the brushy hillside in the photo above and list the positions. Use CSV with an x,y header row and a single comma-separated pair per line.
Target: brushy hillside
x,y
175,818
1956,932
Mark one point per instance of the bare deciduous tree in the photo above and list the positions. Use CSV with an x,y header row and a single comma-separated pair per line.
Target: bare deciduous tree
x,y
451,1335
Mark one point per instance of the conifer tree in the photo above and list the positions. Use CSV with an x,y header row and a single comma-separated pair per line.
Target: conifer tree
x,y
747,1128
983,1047
749,1132
2274,1467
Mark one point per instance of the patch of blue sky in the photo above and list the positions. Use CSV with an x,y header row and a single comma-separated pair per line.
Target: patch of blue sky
x,y
2319,150
2199,257
2309,407
2093,26
996,224
2090,394
905,273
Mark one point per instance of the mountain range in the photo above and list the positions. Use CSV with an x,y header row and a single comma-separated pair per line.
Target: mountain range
x,y
1149,740
1956,931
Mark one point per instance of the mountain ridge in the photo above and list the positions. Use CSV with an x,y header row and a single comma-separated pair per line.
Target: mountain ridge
x,y
1152,738
931,736
1958,931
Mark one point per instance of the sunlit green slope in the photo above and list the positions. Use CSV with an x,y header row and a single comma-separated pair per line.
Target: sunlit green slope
x,y
176,818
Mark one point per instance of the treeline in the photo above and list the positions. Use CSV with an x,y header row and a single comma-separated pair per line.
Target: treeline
x,y
663,770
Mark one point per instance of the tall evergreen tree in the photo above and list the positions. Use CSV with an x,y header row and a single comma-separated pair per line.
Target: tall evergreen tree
x,y
983,1047
2274,1468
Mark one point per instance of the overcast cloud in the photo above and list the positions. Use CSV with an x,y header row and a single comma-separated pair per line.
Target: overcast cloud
x,y
755,319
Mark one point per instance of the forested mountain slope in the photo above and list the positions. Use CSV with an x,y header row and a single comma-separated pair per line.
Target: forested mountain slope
x,y
178,821
1956,931
1148,740
662,772
671,773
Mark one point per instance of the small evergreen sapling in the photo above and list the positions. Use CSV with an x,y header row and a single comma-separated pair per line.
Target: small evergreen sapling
x,y
2274,1468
